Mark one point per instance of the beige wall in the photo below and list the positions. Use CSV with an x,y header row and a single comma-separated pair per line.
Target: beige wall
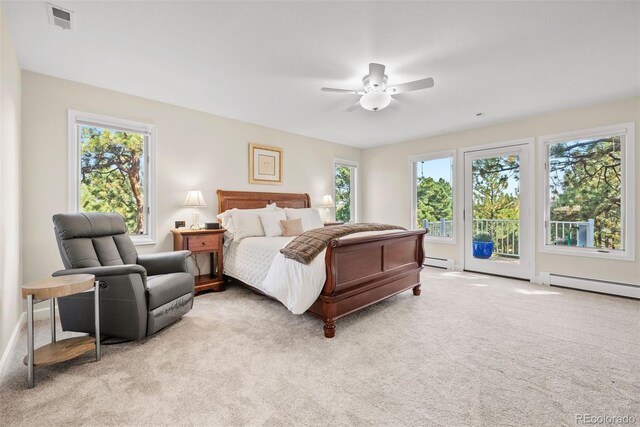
x,y
10,210
386,180
194,150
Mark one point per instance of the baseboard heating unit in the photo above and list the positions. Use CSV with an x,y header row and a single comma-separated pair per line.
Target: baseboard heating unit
x,y
602,286
439,262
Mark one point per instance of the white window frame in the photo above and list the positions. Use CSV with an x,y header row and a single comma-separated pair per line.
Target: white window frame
x,y
628,201
353,186
435,155
76,118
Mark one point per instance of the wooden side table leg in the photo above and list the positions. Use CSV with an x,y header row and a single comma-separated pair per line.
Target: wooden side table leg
x,y
30,343
97,317
213,272
52,309
220,269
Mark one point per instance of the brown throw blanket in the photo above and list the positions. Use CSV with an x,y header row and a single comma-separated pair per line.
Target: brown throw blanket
x,y
309,244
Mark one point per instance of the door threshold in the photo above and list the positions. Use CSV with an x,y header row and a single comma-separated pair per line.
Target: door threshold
x,y
498,275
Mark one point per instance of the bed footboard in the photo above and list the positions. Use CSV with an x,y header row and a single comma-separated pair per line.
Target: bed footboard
x,y
364,270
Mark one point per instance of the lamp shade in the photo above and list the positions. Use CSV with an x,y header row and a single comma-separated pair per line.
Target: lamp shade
x,y
194,199
374,101
327,200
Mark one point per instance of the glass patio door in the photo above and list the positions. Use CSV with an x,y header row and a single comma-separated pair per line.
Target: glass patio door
x,y
497,211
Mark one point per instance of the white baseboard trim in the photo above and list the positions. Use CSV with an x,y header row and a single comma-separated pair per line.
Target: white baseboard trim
x,y
12,342
439,262
40,314
541,279
544,278
593,285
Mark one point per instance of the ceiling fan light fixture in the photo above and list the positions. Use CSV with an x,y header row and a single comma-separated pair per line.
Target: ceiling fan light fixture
x,y
375,101
376,95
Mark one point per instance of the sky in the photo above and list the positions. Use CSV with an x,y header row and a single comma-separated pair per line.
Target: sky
x,y
436,169
441,168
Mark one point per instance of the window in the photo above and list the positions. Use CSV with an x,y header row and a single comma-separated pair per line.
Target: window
x,y
433,195
589,192
345,174
111,171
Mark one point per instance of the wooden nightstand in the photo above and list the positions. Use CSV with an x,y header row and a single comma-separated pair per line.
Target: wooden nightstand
x,y
329,224
200,242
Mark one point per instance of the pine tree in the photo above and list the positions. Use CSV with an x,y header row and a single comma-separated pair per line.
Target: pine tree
x,y
585,183
434,199
111,168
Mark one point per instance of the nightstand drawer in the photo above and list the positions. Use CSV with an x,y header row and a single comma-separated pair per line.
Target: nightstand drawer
x,y
203,243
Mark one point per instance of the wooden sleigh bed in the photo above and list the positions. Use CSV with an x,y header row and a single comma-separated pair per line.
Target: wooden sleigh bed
x,y
360,271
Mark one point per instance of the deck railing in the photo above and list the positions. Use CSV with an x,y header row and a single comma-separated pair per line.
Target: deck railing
x,y
506,236
572,233
442,228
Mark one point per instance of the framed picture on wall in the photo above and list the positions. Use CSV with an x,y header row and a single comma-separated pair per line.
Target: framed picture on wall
x,y
265,164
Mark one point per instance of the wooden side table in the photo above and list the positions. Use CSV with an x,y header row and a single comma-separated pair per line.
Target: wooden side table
x,y
59,351
330,223
199,242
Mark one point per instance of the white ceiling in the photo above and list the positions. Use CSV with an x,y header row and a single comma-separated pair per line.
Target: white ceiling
x,y
264,62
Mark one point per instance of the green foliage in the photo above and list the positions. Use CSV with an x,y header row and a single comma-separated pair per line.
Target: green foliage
x,y
482,237
111,167
585,183
434,200
491,197
343,193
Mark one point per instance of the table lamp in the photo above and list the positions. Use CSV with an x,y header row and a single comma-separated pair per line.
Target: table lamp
x,y
195,200
327,202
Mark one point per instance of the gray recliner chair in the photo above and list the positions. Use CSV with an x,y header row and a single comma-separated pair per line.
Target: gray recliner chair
x,y
139,294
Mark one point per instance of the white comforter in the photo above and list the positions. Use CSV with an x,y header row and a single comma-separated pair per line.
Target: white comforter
x,y
257,261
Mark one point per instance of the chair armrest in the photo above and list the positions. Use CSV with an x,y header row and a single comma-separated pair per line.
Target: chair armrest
x,y
111,270
166,262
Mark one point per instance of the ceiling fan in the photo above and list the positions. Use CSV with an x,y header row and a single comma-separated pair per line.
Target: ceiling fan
x,y
376,95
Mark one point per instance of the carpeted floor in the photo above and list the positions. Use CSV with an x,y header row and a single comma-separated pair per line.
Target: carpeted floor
x,y
472,350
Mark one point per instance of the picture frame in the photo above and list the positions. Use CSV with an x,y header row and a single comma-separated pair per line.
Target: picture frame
x,y
265,164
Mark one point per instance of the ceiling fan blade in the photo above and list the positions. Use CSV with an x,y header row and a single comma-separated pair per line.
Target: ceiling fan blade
x,y
376,74
354,91
351,108
410,86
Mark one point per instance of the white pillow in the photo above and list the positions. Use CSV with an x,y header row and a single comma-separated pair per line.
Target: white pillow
x,y
226,219
271,222
310,217
247,224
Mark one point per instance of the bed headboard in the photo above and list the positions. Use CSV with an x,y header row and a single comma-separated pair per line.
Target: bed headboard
x,y
254,199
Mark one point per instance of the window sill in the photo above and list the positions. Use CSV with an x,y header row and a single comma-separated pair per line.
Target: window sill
x,y
142,240
588,253
440,240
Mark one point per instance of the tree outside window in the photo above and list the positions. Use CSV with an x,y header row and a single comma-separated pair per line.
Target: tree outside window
x,y
112,174
585,190
344,191
434,196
